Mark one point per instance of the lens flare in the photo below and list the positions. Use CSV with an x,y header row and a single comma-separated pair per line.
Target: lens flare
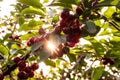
x,y
51,46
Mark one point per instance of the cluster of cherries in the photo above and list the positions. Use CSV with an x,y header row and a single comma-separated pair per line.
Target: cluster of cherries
x,y
70,26
25,71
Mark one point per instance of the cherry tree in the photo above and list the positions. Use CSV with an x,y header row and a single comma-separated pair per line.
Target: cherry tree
x,y
75,39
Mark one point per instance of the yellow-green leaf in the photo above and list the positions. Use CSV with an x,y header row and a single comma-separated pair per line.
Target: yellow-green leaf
x,y
32,11
34,3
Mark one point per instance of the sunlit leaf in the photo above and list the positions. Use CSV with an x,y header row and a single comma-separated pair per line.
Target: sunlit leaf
x,y
97,73
21,20
109,12
34,3
98,47
32,11
4,50
49,62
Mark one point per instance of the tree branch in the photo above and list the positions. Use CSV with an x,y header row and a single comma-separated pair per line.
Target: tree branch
x,y
9,69
74,67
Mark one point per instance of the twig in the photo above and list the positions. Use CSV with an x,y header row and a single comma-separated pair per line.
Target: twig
x,y
74,67
114,24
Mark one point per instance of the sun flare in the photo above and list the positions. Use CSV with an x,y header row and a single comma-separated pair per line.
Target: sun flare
x,y
51,46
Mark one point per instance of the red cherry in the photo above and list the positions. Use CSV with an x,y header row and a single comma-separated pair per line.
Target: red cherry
x,y
21,64
66,30
1,76
36,40
22,75
29,43
64,22
16,59
57,29
16,37
31,74
34,66
41,31
32,39
27,69
70,44
65,13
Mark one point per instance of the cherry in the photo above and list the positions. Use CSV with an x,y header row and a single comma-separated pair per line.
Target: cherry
x,y
57,29
79,11
16,59
22,75
34,66
108,60
29,43
41,31
36,40
16,37
70,44
66,30
21,64
31,74
65,13
73,38
64,22
32,39
27,69
1,76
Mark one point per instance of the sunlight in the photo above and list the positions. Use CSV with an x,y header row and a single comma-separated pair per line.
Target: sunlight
x,y
51,46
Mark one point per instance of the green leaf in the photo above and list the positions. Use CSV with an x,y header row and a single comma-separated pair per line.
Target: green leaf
x,y
21,20
34,3
27,36
108,3
68,1
6,36
4,50
99,49
109,12
97,73
71,57
25,27
49,62
31,10
91,29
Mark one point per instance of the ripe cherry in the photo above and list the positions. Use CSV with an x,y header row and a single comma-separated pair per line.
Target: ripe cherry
x,y
16,59
27,69
57,29
66,30
34,66
31,74
65,13
1,76
21,64
22,75
41,31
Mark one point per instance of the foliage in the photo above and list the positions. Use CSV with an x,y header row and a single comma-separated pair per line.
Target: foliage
x,y
86,34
